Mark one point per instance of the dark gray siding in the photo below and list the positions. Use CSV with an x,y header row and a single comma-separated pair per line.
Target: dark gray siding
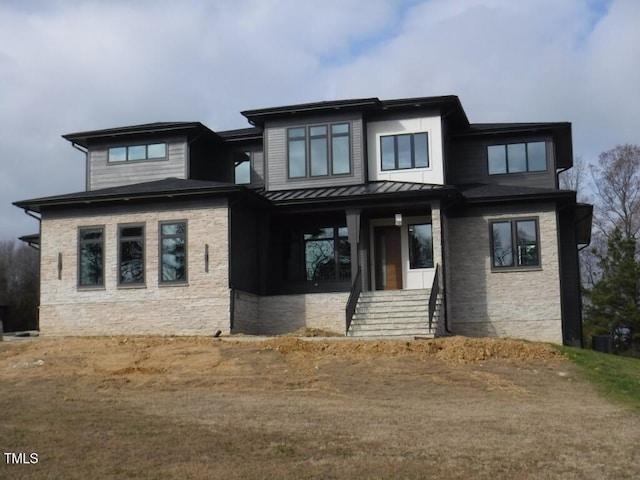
x,y
104,175
276,155
467,163
257,175
243,249
569,280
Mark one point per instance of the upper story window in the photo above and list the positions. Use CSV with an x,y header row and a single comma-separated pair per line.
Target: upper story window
x,y
517,158
152,151
242,168
318,150
408,150
515,243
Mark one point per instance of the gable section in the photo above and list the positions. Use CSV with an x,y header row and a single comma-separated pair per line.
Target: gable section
x,y
279,141
103,173
406,150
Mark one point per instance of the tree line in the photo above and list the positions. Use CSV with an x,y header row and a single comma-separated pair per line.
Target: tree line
x,y
19,286
610,267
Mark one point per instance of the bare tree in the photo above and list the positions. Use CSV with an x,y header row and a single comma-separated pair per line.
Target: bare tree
x,y
19,284
576,178
616,184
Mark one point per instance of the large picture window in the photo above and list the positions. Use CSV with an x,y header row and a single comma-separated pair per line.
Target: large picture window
x,y
131,255
420,246
91,257
515,243
173,252
152,151
319,150
327,254
517,158
410,150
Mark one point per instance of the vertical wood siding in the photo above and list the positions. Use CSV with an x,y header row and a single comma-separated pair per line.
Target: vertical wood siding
x,y
276,157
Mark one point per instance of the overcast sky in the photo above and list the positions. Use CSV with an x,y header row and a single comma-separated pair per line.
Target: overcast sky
x,y
74,65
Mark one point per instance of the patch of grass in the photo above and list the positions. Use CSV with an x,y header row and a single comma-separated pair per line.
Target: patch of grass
x,y
617,377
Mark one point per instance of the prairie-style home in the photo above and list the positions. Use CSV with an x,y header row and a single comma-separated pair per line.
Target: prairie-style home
x,y
365,217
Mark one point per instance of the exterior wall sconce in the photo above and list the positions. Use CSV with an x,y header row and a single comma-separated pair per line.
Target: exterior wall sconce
x,y
398,219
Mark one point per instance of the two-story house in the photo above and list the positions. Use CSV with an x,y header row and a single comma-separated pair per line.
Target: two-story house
x,y
363,216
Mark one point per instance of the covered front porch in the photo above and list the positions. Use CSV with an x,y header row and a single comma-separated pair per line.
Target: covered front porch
x,y
340,253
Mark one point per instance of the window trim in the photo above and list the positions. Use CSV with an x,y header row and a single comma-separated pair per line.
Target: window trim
x,y
506,156
514,241
328,137
100,286
186,252
133,145
143,238
395,136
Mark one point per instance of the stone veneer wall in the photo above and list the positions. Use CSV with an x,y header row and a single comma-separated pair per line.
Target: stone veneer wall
x,y
200,307
245,313
287,313
519,304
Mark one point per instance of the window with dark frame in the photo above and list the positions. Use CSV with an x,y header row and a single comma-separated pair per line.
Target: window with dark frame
x,y
515,243
91,257
404,151
173,252
517,158
152,151
327,254
131,255
420,246
319,150
242,168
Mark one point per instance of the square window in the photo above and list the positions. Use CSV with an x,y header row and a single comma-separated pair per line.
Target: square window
x,y
118,154
515,243
157,150
137,152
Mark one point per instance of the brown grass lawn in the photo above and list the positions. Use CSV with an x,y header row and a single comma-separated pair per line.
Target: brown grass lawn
x,y
201,408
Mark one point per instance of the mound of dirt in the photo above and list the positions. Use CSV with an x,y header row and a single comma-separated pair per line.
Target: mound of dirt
x,y
453,349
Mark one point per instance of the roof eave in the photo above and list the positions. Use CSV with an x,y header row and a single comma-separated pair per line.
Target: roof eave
x,y
36,205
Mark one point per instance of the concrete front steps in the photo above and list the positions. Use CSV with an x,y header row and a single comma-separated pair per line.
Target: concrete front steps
x,y
392,313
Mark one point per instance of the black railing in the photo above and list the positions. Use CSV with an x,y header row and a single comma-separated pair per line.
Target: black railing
x,y
433,297
356,289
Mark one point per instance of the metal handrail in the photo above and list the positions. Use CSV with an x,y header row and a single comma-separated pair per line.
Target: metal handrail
x,y
433,297
356,289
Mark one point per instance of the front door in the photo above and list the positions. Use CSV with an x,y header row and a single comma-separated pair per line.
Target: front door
x,y
388,258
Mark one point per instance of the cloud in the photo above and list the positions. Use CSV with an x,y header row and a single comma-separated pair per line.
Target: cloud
x,y
72,65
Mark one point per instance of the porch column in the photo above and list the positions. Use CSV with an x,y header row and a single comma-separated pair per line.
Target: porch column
x,y
436,229
353,226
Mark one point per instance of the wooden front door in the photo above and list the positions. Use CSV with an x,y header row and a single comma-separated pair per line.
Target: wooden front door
x,y
388,258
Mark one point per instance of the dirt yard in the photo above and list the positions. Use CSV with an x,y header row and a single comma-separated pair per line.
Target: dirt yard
x,y
201,408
